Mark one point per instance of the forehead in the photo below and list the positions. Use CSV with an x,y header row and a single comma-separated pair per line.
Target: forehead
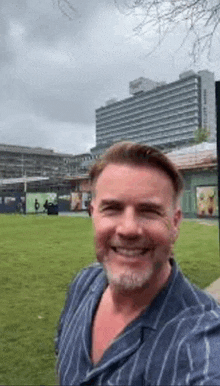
x,y
137,181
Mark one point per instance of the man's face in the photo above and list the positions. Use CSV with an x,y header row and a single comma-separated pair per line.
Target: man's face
x,y
136,224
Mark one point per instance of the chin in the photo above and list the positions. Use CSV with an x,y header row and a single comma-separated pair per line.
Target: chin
x,y
130,278
128,281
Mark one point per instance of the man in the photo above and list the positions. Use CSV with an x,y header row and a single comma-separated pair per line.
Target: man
x,y
133,318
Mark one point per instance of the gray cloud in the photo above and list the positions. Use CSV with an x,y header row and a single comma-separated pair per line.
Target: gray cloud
x,y
55,70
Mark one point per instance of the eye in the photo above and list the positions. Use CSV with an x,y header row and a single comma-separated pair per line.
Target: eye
x,y
150,212
110,209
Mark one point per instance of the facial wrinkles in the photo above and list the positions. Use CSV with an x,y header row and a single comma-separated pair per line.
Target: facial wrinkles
x,y
131,247
130,236
118,207
138,250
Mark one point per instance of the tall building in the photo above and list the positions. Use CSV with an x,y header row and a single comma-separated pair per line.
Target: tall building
x,y
160,114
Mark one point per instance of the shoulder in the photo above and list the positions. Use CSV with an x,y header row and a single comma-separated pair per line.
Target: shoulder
x,y
91,270
88,273
197,304
206,320
83,280
189,332
86,279
187,295
198,342
200,348
193,310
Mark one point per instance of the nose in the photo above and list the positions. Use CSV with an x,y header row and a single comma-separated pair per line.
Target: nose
x,y
129,225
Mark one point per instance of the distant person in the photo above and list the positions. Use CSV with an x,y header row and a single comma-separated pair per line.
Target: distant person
x,y
133,318
36,205
24,205
89,207
45,206
19,207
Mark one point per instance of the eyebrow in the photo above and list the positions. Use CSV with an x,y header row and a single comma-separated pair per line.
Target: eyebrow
x,y
150,205
140,205
110,202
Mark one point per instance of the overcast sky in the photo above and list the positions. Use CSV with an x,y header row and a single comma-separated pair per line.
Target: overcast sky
x,y
56,70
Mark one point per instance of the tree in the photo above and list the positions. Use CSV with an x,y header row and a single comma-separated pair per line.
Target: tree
x,y
201,135
201,18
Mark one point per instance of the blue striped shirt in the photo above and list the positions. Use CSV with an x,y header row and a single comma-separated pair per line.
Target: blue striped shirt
x,y
176,341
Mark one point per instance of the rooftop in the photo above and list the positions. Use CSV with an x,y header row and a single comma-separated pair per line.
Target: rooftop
x,y
203,155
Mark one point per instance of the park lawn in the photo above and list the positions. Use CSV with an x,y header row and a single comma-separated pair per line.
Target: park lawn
x,y
197,252
39,256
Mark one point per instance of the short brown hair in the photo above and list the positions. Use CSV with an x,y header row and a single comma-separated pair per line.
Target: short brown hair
x,y
135,154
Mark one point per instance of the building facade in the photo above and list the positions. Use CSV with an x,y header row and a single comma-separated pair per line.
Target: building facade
x,y
199,167
17,162
159,114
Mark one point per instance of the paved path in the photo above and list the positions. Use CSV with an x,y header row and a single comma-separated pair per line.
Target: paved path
x,y
203,221
214,290
74,214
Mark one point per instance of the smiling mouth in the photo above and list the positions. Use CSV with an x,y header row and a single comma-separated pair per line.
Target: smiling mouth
x,y
130,252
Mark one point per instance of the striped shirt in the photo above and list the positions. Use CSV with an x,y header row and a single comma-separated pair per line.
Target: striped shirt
x,y
176,341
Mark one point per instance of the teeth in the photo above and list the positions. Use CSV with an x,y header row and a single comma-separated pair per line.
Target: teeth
x,y
130,252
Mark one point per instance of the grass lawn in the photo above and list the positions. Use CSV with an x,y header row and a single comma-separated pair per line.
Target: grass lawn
x,y
39,256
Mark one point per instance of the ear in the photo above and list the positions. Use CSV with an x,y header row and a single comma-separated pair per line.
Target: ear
x,y
92,206
178,216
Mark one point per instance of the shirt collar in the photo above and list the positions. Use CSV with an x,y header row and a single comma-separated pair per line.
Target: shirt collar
x,y
151,316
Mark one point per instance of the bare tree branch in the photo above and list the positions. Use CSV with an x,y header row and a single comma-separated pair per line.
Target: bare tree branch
x,y
201,18
67,8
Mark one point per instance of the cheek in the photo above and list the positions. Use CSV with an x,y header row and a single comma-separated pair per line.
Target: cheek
x,y
104,229
160,233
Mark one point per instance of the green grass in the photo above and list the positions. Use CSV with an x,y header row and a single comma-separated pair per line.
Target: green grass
x,y
39,257
197,252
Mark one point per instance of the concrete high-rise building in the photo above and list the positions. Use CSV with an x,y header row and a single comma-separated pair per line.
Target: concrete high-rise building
x,y
160,114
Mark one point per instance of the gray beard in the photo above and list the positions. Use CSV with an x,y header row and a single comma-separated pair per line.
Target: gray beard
x,y
128,281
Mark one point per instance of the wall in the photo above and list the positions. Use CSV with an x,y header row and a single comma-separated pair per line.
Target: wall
x,y
193,180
